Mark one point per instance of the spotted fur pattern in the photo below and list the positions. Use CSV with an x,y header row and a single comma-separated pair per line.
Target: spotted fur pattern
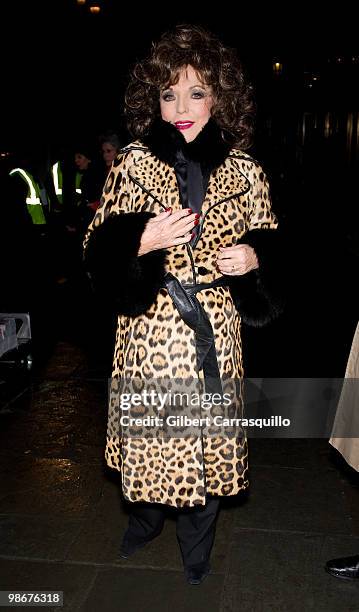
x,y
180,471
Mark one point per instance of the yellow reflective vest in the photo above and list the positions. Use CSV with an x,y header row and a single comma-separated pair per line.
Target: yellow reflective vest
x,y
57,178
34,198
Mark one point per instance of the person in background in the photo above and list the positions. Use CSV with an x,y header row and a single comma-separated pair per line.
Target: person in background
x,y
81,190
110,148
28,243
345,439
89,184
30,173
19,240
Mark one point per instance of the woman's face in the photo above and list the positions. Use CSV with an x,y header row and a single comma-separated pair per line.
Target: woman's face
x,y
187,105
81,161
109,153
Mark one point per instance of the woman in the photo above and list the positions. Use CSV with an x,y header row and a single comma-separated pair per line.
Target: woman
x,y
110,148
178,242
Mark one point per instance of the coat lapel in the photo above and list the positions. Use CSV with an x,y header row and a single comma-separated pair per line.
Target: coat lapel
x,y
225,183
157,179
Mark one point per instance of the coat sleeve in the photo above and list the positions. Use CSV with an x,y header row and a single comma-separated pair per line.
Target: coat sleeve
x,y
258,295
111,244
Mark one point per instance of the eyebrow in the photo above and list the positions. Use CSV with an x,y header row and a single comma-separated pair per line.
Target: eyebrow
x,y
192,87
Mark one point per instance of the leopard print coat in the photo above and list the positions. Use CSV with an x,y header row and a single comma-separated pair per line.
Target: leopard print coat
x,y
152,341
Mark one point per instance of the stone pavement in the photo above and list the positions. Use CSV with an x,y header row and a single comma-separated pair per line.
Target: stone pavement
x,y
62,516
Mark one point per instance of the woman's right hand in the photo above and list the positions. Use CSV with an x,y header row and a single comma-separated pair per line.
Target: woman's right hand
x,y
167,230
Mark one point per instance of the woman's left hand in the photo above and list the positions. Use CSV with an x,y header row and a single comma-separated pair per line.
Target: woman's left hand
x,y
237,260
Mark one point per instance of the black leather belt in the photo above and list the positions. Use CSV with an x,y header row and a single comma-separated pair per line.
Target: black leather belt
x,y
193,314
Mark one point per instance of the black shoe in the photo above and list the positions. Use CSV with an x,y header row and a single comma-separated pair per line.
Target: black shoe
x,y
346,567
130,544
129,547
195,574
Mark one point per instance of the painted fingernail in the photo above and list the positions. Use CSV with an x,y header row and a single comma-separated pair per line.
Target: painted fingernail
x,y
189,211
196,221
193,235
169,209
197,216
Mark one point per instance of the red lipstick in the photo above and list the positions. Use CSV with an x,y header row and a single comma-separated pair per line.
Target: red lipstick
x,y
183,125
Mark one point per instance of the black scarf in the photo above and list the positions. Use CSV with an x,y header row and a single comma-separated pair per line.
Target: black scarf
x,y
209,149
192,161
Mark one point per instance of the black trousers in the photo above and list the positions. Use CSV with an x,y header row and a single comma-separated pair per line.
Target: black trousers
x,y
195,527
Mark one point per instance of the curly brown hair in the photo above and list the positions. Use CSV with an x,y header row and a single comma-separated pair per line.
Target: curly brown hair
x,y
217,66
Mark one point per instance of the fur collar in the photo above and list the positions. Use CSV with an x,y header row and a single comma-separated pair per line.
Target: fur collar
x,y
208,148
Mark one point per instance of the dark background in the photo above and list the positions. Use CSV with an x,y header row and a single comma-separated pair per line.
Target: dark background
x,y
64,71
